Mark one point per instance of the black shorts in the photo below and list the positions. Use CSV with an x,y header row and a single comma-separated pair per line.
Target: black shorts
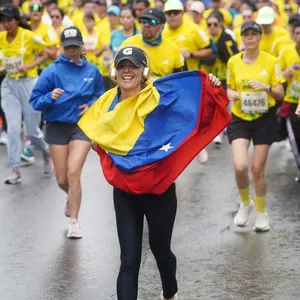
x,y
63,133
262,131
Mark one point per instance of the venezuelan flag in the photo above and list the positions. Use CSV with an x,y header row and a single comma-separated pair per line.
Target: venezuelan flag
x,y
146,141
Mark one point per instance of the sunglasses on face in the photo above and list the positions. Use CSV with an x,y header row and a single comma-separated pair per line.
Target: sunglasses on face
x,y
36,8
54,17
212,24
262,1
173,12
151,22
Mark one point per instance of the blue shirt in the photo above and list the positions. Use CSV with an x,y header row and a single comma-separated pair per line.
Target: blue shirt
x,y
117,39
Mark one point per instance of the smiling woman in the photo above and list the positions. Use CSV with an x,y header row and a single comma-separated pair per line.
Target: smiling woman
x,y
138,129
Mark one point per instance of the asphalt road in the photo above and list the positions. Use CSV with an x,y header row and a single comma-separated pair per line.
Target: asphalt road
x,y
216,260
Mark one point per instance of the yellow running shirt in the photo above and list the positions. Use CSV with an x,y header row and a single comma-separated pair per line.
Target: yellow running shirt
x,y
22,50
268,40
265,69
90,43
281,43
188,37
289,58
164,58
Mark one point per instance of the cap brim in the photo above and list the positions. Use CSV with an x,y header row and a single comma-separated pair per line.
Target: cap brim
x,y
265,21
151,17
71,43
7,14
132,59
250,27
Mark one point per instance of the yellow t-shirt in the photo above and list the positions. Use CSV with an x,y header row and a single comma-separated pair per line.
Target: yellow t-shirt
x,y
289,58
238,21
75,13
188,37
65,5
50,37
22,50
102,24
104,37
265,69
268,40
163,58
90,43
25,7
281,43
226,14
237,32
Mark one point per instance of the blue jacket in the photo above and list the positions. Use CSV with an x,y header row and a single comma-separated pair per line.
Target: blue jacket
x,y
82,84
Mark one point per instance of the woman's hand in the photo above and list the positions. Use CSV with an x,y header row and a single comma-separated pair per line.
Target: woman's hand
x,y
56,93
288,73
258,85
2,69
94,146
297,112
215,81
22,69
232,95
84,108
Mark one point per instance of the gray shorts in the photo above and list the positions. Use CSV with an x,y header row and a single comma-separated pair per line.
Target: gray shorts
x,y
63,133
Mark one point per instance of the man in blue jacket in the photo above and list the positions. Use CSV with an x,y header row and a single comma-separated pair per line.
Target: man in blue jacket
x,y
64,92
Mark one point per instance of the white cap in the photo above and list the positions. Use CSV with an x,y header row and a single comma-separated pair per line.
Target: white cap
x,y
197,6
265,16
173,5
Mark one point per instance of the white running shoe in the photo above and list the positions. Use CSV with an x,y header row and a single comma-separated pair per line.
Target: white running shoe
x,y
218,140
163,298
74,230
262,222
14,178
202,157
48,165
3,138
241,218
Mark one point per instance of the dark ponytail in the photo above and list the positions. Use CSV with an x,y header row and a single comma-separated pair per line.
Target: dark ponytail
x,y
23,24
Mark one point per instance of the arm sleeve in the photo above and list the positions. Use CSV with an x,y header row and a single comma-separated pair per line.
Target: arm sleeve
x,y
277,76
41,94
99,89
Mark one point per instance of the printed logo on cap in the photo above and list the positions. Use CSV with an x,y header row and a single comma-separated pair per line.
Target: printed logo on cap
x,y
70,33
127,51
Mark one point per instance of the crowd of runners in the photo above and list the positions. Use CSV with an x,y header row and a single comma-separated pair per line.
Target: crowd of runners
x,y
57,59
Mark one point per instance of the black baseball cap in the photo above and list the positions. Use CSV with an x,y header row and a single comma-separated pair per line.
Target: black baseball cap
x,y
10,11
71,36
155,14
293,18
251,25
135,54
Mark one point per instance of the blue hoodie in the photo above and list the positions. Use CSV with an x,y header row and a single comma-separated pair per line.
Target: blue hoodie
x,y
82,84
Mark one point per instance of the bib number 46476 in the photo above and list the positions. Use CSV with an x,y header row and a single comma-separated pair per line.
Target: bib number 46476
x,y
254,102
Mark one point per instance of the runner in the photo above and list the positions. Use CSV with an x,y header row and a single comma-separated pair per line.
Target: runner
x,y
254,83
165,55
124,107
22,52
64,101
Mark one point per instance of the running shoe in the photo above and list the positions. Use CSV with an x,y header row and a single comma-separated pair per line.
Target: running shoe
x,y
74,231
262,222
241,218
3,138
218,140
14,178
48,165
202,157
163,298
67,209
27,156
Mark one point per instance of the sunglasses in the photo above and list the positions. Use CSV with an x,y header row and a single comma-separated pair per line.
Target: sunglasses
x,y
55,17
36,8
173,12
262,1
151,22
212,24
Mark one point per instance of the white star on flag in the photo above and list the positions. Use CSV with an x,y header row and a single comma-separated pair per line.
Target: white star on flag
x,y
166,148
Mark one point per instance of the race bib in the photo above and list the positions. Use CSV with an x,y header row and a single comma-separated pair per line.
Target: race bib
x,y
295,89
254,102
11,64
89,43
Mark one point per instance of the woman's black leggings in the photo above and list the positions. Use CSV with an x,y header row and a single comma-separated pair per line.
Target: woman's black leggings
x,y
160,212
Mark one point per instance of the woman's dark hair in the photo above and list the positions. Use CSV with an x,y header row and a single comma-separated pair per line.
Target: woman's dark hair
x,y
61,11
130,8
218,15
297,24
23,23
